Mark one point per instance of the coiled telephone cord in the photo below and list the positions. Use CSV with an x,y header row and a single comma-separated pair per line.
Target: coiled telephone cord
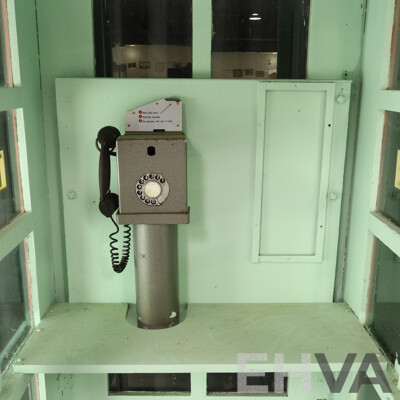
x,y
119,266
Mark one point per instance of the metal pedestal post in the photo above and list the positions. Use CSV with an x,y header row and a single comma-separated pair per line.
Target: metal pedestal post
x,y
157,276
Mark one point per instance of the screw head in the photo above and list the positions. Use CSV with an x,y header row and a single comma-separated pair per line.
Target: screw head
x,y
333,196
341,98
71,195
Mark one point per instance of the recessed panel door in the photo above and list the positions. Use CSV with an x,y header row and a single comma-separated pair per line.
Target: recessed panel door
x,y
293,165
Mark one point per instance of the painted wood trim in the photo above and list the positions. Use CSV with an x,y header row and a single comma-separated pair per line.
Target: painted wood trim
x,y
22,151
290,258
388,100
386,231
12,29
202,38
32,279
343,138
259,166
11,98
325,172
14,233
377,167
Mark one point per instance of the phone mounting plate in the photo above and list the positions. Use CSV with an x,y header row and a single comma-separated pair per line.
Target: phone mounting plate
x,y
153,146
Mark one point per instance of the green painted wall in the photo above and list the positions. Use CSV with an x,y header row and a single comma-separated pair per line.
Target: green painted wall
x,y
336,38
65,37
66,48
220,121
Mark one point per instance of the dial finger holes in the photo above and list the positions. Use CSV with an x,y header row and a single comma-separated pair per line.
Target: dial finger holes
x,y
152,189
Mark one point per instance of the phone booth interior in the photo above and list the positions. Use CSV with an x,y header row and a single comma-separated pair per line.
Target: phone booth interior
x,y
216,197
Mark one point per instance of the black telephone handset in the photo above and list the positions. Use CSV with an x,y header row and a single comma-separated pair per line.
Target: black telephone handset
x,y
106,142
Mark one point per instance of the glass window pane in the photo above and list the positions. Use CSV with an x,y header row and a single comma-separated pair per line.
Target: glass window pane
x,y
143,38
5,53
389,189
31,392
27,395
368,392
149,383
394,74
10,183
14,304
384,309
259,39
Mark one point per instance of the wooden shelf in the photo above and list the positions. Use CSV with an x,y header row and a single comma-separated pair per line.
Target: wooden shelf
x,y
96,338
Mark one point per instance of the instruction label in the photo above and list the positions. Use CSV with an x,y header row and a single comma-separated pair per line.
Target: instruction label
x,y
160,115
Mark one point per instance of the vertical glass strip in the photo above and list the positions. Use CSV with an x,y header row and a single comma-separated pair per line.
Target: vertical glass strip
x,y
15,310
11,201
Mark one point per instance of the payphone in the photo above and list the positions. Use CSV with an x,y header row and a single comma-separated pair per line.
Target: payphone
x,y
152,175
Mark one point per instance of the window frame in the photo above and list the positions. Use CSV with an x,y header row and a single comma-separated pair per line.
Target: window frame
x,y
378,226
30,227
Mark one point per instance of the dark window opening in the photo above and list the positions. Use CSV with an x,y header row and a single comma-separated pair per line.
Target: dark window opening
x,y
28,394
149,383
258,39
227,383
143,38
384,302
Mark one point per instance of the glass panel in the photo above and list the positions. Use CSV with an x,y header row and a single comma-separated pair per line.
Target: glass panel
x,y
389,189
10,186
5,54
259,39
226,383
143,38
14,304
31,392
384,309
394,74
120,383
368,392
27,395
